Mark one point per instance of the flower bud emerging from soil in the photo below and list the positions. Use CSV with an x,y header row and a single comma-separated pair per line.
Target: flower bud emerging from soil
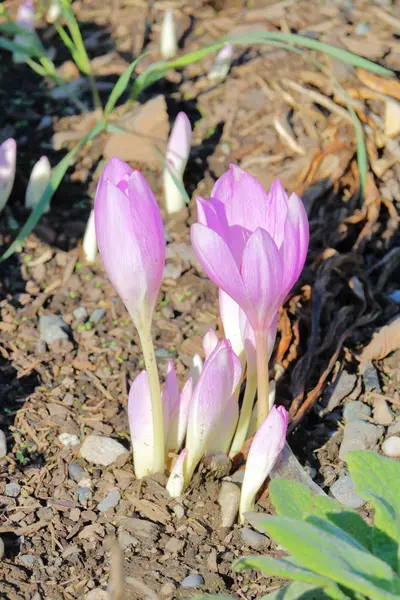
x,y
89,244
8,160
38,181
168,40
222,64
177,156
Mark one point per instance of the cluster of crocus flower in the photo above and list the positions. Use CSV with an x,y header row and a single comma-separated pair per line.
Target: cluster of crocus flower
x,y
253,246
38,180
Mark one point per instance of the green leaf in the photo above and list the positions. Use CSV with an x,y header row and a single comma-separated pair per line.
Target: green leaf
x,y
279,568
31,50
304,591
121,86
56,178
377,479
292,499
332,553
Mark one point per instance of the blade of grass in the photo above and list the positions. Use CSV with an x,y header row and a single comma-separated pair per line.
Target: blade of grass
x,y
56,178
121,86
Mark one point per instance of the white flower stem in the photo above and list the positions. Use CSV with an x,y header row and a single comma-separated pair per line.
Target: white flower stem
x,y
146,341
262,378
245,414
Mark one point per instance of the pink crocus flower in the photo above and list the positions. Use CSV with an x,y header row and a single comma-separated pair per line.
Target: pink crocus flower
x,y
8,160
267,444
130,236
210,411
253,246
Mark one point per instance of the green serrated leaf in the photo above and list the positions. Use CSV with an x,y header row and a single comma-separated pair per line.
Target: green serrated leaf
x,y
56,178
303,591
332,553
121,85
377,479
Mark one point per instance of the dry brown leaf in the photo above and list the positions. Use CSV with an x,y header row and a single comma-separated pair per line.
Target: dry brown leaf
x,y
384,341
149,126
391,87
392,118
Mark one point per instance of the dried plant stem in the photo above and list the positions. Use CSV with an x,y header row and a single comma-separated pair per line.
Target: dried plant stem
x,y
146,341
262,378
245,413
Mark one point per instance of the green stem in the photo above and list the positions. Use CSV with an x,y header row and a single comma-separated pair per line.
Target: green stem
x,y
245,413
262,378
155,393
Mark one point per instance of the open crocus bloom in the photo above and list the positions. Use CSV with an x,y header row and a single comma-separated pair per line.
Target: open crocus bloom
x,y
130,236
251,244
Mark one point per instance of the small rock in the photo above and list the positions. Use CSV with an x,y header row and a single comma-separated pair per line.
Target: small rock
x,y
237,476
68,439
341,388
80,313
168,589
356,411
192,581
361,28
40,347
382,413
97,594
228,499
179,511
110,500
1,548
76,472
101,450
52,328
164,353
28,560
3,444
84,494
174,545
140,527
359,435
12,489
126,540
391,447
288,467
252,538
394,429
97,314
370,377
171,271
36,596
344,492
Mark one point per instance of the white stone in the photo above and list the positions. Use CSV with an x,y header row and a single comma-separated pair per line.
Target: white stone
x,y
101,450
68,439
391,447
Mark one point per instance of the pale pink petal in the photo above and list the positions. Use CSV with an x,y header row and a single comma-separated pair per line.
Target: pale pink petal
x,y
249,339
217,261
196,368
262,271
8,159
210,341
176,480
244,198
172,385
179,143
264,451
276,212
115,171
179,418
141,425
221,436
229,311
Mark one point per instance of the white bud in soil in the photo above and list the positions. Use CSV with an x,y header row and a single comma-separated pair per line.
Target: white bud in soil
x,y
222,64
38,181
178,152
168,41
54,12
89,243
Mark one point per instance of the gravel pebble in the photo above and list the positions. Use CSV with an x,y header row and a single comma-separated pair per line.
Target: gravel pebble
x,y
28,560
382,412
84,494
109,501
101,450
68,439
52,328
394,429
140,527
391,447
174,545
172,271
97,314
359,435
192,581
356,411
344,492
97,594
3,444
126,539
80,313
252,538
12,489
371,379
76,472
168,589
228,499
179,511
